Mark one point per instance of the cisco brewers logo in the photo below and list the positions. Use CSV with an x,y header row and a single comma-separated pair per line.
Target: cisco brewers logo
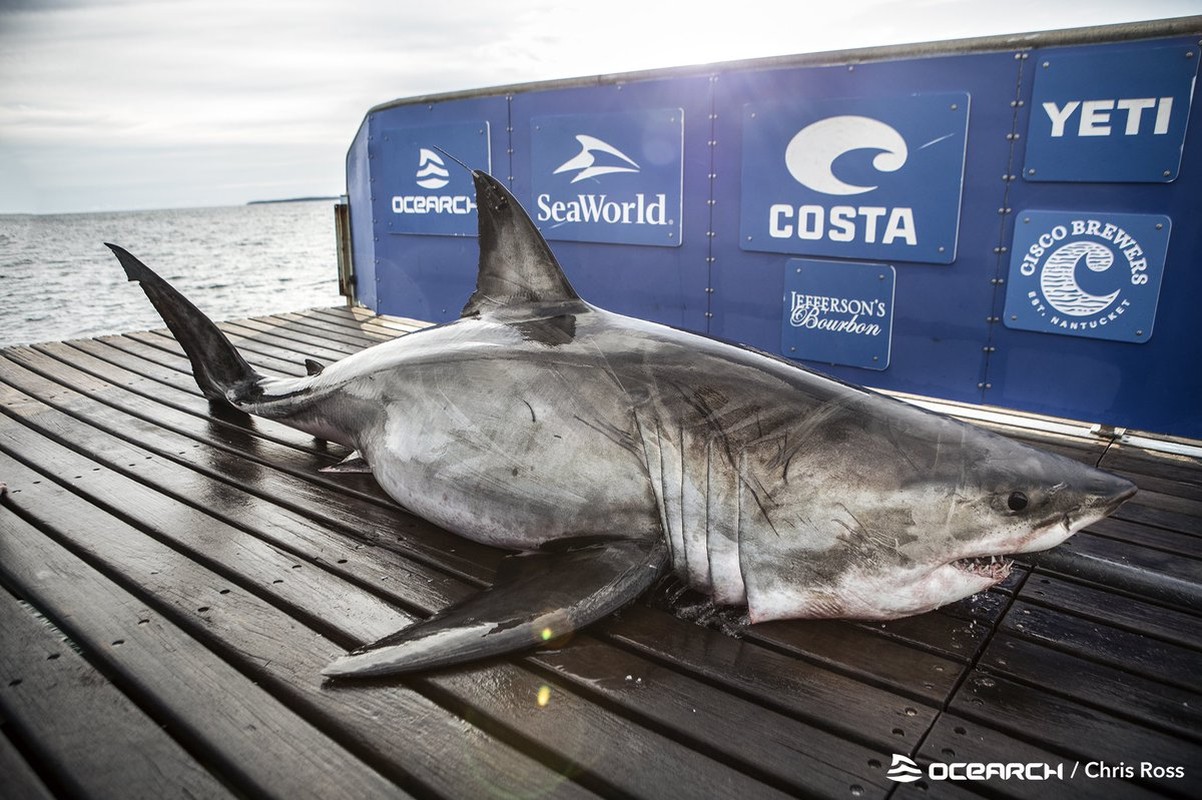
x,y
1087,275
877,177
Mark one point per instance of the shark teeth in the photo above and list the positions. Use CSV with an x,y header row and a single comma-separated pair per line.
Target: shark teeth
x,y
995,567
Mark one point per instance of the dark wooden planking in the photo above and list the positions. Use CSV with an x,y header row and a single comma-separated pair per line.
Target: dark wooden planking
x,y
155,494
863,655
273,444
46,689
790,754
266,358
117,491
956,739
286,338
299,589
138,376
262,640
1175,710
219,712
369,317
227,483
1139,535
21,781
1162,516
1144,655
830,700
354,338
1076,731
1144,559
1106,608
1176,469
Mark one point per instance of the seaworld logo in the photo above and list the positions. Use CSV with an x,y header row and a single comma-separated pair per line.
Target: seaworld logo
x,y
1075,279
585,162
639,209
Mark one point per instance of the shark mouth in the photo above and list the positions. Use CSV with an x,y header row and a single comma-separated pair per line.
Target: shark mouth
x,y
995,568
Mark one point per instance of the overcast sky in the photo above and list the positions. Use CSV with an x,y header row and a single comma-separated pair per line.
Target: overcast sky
x,y
130,104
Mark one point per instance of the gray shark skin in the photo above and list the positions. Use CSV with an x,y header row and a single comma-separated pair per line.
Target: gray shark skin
x,y
609,450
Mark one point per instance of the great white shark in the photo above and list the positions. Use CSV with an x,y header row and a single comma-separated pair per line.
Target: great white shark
x,y
609,450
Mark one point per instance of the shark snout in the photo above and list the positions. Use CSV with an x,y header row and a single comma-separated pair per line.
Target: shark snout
x,y
1105,493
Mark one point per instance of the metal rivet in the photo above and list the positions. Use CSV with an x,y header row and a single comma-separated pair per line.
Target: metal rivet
x,y
1159,226
1046,64
1168,173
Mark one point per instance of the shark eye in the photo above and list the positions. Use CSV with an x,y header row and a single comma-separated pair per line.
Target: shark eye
x,y
1017,501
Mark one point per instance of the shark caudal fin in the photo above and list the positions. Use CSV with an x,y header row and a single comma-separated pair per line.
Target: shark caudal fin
x,y
516,265
220,371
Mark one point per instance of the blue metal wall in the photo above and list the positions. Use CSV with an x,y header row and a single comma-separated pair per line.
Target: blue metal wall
x,y
759,202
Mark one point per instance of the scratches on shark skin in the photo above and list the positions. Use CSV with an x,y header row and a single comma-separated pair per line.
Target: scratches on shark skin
x,y
532,417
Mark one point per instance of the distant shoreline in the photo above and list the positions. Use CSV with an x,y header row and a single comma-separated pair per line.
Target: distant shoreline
x,y
291,200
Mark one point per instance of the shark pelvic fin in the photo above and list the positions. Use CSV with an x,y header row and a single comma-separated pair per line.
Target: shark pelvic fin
x,y
352,463
538,597
516,265
220,371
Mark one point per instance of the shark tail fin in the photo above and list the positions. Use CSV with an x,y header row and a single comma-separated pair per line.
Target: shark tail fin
x,y
220,371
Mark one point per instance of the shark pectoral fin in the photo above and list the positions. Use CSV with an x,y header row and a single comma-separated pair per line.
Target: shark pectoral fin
x,y
352,463
537,597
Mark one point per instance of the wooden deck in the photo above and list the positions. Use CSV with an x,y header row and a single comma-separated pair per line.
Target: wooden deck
x,y
172,582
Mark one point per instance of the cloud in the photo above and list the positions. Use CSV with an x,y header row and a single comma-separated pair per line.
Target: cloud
x,y
104,104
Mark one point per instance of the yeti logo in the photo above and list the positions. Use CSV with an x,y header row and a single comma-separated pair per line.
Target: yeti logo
x,y
812,153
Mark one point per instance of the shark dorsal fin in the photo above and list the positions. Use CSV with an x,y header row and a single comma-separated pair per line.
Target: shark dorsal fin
x,y
517,267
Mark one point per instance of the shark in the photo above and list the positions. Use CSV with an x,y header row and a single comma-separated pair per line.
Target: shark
x,y
607,451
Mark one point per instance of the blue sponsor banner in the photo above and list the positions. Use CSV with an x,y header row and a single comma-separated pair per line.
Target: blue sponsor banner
x,y
855,177
838,312
431,194
1110,115
615,177
1087,273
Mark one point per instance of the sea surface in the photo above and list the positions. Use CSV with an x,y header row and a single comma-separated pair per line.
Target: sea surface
x,y
58,280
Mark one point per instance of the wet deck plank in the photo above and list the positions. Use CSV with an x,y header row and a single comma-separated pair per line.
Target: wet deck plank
x,y
231,571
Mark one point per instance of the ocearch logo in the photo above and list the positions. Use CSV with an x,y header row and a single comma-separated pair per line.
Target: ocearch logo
x,y
903,770
811,154
431,170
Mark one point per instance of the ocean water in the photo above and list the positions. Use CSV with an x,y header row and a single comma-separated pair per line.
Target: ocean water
x,y
58,280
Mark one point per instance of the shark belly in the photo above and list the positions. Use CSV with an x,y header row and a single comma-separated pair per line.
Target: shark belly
x,y
512,468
